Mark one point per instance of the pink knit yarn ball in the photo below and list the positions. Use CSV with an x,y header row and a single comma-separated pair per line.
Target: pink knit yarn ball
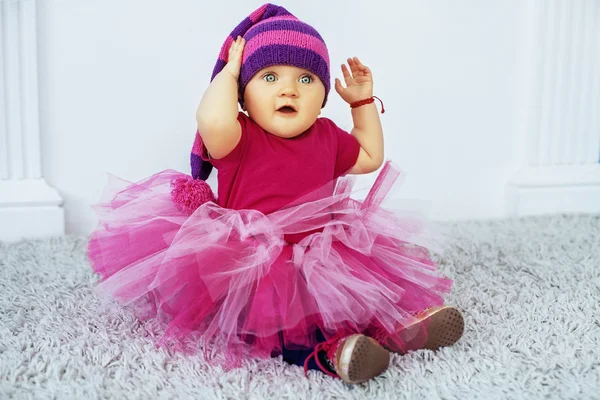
x,y
188,193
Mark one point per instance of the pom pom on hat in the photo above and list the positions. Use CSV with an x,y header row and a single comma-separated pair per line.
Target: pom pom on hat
x,y
188,193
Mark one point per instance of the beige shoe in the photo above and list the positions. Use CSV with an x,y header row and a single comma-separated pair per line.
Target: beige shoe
x,y
355,359
443,326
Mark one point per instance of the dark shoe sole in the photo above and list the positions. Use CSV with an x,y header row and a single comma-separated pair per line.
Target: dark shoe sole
x,y
444,326
361,359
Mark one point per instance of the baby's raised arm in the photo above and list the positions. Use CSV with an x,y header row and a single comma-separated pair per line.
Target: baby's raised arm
x,y
218,110
367,126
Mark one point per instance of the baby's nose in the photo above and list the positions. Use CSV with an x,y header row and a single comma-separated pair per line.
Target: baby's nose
x,y
289,91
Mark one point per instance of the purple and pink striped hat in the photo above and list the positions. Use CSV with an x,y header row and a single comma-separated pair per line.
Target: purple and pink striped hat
x,y
275,37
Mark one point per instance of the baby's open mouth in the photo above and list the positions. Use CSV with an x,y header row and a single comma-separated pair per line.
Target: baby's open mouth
x,y
286,110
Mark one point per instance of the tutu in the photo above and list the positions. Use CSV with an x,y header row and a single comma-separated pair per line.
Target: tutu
x,y
238,283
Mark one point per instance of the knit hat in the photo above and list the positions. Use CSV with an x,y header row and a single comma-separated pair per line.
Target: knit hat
x,y
273,37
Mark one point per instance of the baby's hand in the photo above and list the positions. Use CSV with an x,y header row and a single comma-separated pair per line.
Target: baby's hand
x,y
359,84
234,61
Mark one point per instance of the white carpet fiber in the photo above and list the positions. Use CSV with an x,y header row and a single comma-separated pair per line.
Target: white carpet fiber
x,y
529,289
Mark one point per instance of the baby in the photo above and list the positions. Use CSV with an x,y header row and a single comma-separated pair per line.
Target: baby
x,y
283,262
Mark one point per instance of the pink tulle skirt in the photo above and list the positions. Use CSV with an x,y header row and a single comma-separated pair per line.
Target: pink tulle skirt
x,y
238,283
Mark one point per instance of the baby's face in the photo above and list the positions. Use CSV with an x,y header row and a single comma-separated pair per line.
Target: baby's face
x,y
284,100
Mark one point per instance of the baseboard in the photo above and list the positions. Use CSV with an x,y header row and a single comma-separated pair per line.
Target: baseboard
x,y
29,208
554,189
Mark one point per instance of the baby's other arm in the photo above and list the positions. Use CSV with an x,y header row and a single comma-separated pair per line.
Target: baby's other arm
x,y
367,126
218,110
367,130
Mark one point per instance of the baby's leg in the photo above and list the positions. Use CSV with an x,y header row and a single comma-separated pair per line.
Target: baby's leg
x,y
299,356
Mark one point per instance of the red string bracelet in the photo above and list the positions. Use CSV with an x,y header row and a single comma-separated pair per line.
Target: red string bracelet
x,y
367,101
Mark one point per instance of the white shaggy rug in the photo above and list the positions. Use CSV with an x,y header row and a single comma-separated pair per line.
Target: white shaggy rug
x,y
529,289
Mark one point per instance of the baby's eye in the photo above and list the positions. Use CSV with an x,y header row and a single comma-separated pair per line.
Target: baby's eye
x,y
269,77
306,79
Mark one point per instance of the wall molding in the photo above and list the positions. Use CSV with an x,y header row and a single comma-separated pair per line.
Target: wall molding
x,y
561,122
29,207
555,189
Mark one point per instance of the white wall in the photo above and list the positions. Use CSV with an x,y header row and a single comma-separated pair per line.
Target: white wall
x,y
120,81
